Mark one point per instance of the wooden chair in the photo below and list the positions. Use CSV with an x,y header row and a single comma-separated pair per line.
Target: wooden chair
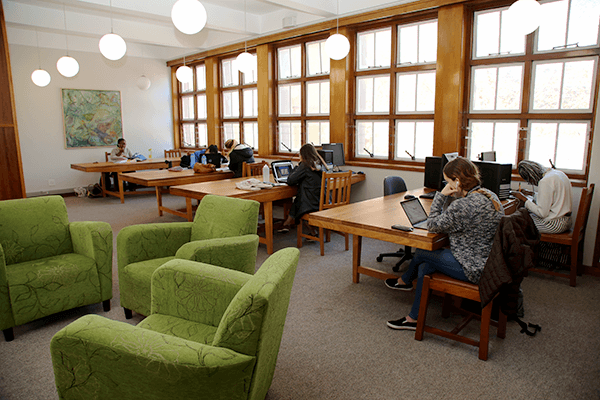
x,y
253,169
335,192
106,155
466,290
573,239
175,153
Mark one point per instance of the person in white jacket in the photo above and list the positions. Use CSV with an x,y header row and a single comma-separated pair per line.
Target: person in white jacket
x,y
550,206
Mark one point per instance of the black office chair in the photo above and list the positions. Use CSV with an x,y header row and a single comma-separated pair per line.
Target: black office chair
x,y
392,185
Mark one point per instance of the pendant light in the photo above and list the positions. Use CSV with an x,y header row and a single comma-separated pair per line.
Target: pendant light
x,y
142,82
40,76
245,62
66,65
188,16
112,46
184,73
524,16
337,46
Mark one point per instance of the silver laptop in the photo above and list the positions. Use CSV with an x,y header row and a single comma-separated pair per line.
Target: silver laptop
x,y
415,212
281,171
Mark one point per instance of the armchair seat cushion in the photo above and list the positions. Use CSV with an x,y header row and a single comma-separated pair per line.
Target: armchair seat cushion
x,y
179,327
49,285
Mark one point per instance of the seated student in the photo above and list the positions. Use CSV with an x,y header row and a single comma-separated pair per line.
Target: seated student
x,y
550,207
238,153
470,222
307,176
214,157
120,153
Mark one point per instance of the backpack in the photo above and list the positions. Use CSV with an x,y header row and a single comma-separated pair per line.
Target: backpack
x,y
185,161
94,190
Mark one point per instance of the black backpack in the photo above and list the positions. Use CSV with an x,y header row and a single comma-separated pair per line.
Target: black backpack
x,y
185,161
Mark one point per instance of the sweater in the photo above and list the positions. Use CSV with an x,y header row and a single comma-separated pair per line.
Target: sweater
x,y
553,197
238,155
470,223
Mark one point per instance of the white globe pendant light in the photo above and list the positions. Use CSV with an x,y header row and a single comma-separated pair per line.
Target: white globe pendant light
x,y
112,46
184,74
40,77
188,16
143,83
246,62
67,66
337,46
524,16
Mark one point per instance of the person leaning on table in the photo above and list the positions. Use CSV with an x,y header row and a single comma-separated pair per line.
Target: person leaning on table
x,y
470,222
120,153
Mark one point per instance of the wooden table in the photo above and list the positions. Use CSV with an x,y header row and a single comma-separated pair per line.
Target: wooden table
x,y
227,188
161,178
119,168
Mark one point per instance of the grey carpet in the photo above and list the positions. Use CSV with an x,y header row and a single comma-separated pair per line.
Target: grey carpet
x,y
336,344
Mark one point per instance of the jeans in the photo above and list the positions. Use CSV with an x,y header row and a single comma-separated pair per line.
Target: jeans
x,y
426,262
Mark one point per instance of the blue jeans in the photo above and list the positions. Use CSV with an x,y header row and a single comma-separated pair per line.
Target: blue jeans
x,y
426,262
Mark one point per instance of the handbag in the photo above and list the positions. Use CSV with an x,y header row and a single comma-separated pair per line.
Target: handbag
x,y
200,168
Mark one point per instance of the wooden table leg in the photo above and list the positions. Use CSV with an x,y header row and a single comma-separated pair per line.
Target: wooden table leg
x,y
159,200
356,250
268,209
121,191
190,211
103,183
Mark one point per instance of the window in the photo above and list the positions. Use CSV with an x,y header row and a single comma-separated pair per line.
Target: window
x,y
239,100
395,101
192,107
535,99
302,95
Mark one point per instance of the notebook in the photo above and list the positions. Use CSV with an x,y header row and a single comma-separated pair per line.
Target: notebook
x,y
281,170
415,212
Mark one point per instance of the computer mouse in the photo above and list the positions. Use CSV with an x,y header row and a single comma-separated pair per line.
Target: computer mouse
x,y
408,196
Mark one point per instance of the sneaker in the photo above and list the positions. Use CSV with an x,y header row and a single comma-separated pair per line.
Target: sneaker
x,y
392,283
402,323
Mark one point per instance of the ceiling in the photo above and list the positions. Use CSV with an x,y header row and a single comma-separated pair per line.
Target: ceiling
x,y
147,28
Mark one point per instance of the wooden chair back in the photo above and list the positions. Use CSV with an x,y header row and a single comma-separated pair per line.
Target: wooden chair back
x,y
106,155
253,169
175,153
335,189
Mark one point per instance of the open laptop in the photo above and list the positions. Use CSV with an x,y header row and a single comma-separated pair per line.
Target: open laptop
x,y
415,212
281,170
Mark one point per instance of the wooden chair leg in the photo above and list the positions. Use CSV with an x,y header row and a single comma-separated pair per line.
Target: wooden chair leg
x,y
447,305
9,334
574,261
484,336
299,235
322,241
106,305
501,332
423,309
128,313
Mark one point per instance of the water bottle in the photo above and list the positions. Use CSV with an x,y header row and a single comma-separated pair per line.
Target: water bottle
x,y
266,177
149,153
203,159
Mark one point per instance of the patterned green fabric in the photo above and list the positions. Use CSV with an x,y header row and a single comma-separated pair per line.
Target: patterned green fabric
x,y
47,264
220,217
149,246
96,358
182,328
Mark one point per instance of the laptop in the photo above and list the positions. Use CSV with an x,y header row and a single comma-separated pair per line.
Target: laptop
x,y
281,170
415,212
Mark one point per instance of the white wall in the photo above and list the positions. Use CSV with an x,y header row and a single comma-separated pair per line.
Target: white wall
x,y
147,121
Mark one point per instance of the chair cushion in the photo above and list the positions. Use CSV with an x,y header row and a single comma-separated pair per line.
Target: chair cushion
x,y
179,327
52,284
135,284
221,217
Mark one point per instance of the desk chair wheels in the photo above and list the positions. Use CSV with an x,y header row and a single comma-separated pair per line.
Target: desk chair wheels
x,y
404,254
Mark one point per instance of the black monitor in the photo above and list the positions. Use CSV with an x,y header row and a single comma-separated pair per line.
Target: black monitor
x,y
327,156
447,157
433,173
338,152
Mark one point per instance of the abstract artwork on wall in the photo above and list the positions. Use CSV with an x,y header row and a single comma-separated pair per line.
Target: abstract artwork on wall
x,y
92,118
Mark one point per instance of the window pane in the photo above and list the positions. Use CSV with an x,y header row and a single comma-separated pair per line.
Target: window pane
x,y
318,132
426,91
202,136
231,104
509,88
251,77
542,142
200,77
497,88
553,27
316,58
406,92
231,130
381,90
383,48
582,28
424,140
364,97
284,100
407,43
374,48
251,134
290,135
417,43
189,139
577,86
583,22
201,99
187,107
317,101
501,137
571,145
373,94
494,35
285,68
186,86
296,61
428,42
230,74
250,102
295,99
366,50
372,136
484,89
546,89
414,137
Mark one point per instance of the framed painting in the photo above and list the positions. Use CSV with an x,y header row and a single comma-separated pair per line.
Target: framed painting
x,y
92,118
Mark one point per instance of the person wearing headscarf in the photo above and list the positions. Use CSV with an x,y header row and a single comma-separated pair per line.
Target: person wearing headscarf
x,y
549,206
238,153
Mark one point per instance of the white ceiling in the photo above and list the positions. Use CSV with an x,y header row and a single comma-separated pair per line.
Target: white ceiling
x,y
147,28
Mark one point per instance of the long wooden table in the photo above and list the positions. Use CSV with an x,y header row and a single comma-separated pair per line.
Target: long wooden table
x,y
119,168
228,187
162,178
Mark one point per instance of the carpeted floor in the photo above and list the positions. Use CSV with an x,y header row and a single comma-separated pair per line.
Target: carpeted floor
x,y
336,344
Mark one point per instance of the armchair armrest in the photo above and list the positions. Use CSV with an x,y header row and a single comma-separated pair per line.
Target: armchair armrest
x,y
195,291
6,315
94,239
95,357
149,241
236,253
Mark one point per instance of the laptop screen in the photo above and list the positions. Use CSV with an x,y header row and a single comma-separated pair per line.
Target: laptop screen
x,y
282,170
414,210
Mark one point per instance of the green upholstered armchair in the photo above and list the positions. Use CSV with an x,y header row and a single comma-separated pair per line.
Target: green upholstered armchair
x,y
214,333
223,233
47,264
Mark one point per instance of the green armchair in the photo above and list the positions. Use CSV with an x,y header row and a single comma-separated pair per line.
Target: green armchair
x,y
214,333
48,265
223,234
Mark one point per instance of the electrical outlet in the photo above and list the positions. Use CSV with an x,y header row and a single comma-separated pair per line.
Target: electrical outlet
x,y
51,182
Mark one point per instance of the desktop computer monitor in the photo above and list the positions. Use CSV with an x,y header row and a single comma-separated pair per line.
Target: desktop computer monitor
x,y
487,156
327,156
495,177
433,173
338,152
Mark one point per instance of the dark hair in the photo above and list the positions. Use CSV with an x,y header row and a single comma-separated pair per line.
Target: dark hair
x,y
212,149
120,140
465,171
310,156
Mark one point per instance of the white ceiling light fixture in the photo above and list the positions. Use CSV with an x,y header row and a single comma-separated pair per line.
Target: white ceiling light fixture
x,y
245,61
112,46
67,65
40,77
337,46
524,16
184,73
188,16
143,83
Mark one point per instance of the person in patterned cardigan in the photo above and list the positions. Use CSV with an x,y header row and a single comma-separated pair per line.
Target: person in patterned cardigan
x,y
470,215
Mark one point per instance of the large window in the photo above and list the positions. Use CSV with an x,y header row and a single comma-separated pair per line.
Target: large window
x,y
534,99
395,92
192,106
302,95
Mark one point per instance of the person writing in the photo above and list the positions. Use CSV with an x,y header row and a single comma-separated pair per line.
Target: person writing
x,y
121,152
470,221
550,207
307,176
238,153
